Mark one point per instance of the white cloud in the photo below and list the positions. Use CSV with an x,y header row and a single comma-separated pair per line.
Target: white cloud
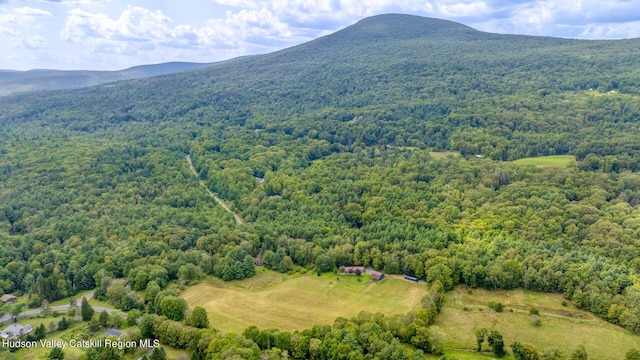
x,y
463,9
612,31
569,18
28,11
21,16
135,28
107,30
74,2
237,3
18,25
34,42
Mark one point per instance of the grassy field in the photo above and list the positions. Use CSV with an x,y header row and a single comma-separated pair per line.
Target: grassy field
x,y
547,161
291,302
443,154
77,298
563,327
294,302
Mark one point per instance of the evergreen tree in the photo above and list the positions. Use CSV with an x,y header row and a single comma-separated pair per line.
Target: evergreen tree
x,y
56,354
103,319
63,324
86,310
198,354
40,332
158,354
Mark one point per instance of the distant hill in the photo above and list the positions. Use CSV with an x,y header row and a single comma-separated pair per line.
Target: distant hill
x,y
21,81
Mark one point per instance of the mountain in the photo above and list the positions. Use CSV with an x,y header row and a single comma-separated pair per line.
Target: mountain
x,y
33,80
401,64
389,143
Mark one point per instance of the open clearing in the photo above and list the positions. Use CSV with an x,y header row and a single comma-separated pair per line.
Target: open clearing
x,y
295,302
547,161
563,327
443,154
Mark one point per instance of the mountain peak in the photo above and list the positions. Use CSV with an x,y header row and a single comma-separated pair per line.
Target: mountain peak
x,y
402,26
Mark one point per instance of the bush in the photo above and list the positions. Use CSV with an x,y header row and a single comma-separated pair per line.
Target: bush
x,y
535,320
496,306
534,311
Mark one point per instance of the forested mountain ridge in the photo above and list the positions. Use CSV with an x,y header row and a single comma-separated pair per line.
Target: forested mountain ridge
x,y
324,150
377,68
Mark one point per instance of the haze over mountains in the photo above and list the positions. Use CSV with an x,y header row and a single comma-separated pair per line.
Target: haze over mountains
x,y
34,80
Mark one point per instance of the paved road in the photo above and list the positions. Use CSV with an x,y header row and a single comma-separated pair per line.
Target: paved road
x,y
30,312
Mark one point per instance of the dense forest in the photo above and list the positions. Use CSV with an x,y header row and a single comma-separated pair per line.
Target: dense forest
x,y
332,152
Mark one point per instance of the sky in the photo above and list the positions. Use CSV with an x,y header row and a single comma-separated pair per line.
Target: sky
x,y
117,34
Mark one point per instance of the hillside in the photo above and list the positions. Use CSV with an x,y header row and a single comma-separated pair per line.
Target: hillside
x,y
341,151
472,80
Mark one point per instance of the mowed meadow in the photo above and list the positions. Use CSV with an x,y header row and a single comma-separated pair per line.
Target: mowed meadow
x,y
294,302
547,161
563,327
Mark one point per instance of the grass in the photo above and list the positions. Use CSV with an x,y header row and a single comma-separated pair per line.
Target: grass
x,y
65,301
467,355
547,161
36,353
295,302
443,154
563,328
104,304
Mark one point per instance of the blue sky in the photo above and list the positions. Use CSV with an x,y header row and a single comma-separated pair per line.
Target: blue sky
x,y
116,34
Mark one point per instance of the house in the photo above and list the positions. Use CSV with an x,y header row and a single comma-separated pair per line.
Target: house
x,y
411,278
258,261
8,298
377,276
15,330
113,332
350,270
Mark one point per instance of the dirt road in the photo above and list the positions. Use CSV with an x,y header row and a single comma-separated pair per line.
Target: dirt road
x,y
217,199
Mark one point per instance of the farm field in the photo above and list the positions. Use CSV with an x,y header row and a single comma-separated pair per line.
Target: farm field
x,y
547,161
294,302
563,327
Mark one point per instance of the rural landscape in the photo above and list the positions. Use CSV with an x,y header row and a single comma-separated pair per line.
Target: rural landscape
x,y
404,188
